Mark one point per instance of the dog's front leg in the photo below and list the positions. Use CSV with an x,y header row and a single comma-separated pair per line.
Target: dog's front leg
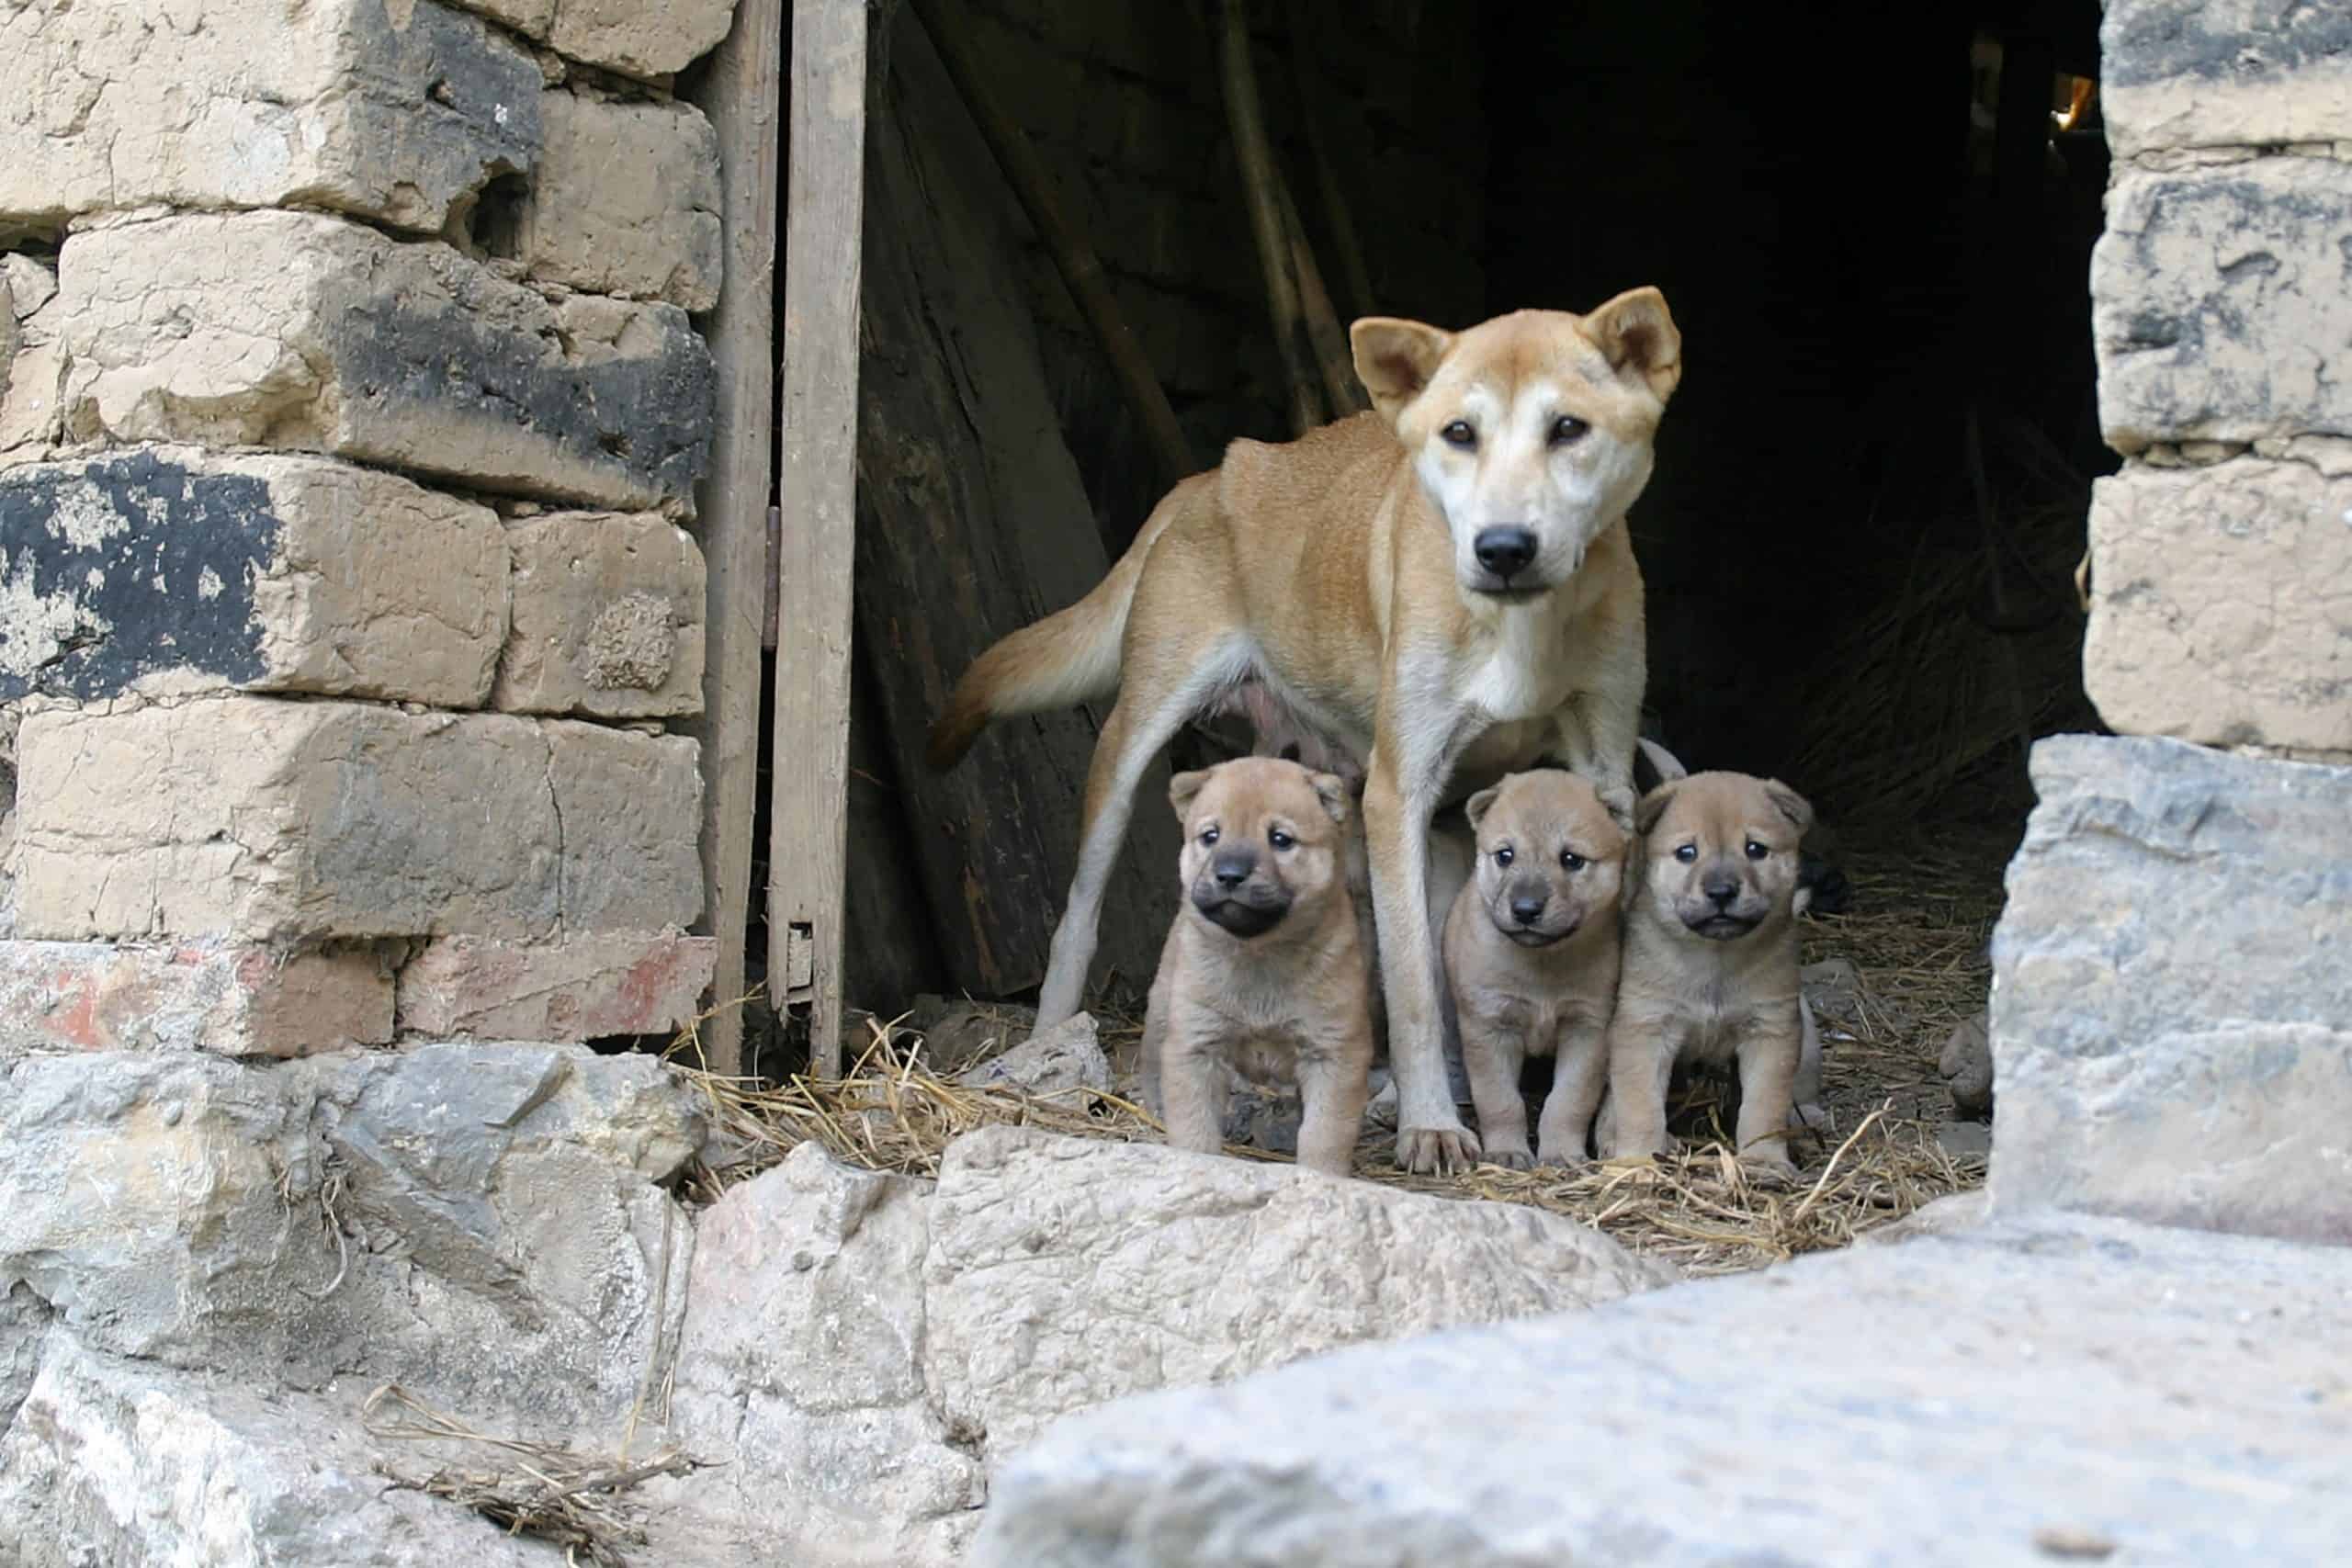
x,y
1599,734
1191,1086
1399,799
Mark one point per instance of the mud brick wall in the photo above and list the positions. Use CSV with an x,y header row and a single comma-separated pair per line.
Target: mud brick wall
x,y
352,409
2172,1018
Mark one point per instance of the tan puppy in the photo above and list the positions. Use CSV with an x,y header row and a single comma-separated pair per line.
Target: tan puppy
x,y
1444,588
1709,969
1531,952
1264,970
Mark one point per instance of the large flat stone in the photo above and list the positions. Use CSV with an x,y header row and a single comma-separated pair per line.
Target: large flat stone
x,y
2218,307
637,38
607,617
580,988
171,569
2102,1388
2192,73
626,201
2222,605
399,112
239,1001
111,1461
294,331
480,1223
2172,1006
267,820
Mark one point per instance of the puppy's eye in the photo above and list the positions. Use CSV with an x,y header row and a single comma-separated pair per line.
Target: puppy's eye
x,y
1757,851
1686,853
1208,835
1459,434
1568,428
1504,856
1571,860
1280,838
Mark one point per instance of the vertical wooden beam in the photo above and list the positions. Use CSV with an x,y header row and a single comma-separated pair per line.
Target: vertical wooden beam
x,y
743,96
817,489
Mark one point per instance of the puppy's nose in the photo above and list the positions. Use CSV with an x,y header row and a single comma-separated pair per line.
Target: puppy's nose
x,y
1527,908
1232,868
1721,886
1505,549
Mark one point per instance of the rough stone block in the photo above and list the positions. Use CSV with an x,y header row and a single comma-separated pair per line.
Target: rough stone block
x,y
2222,605
2181,74
171,569
118,1463
2219,305
32,361
626,201
481,1223
401,112
637,38
581,987
607,617
295,331
2172,1006
258,819
1993,1398
239,1001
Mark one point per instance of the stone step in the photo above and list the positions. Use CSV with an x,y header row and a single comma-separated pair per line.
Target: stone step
x,y
2042,1389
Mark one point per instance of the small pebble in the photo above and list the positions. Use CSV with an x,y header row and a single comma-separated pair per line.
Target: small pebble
x,y
2057,1541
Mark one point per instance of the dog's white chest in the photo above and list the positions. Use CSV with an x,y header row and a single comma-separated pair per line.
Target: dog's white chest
x,y
1525,674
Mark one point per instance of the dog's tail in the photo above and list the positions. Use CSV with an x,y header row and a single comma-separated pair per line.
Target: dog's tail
x,y
1069,657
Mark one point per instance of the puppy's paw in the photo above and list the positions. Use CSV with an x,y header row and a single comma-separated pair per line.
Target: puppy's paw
x,y
1510,1157
1436,1151
1618,800
1563,1159
1772,1175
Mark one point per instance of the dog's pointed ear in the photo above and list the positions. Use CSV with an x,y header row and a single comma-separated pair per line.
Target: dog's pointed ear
x,y
1638,334
1478,805
1789,804
1332,791
1183,788
1652,805
1394,359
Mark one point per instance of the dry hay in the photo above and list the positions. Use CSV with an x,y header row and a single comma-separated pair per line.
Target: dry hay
x,y
545,1490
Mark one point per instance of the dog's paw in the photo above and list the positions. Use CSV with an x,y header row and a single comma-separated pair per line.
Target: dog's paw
x,y
1436,1151
1618,800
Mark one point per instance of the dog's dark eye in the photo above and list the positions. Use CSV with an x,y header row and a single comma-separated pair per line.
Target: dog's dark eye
x,y
1686,853
1757,851
1568,428
1280,838
1571,860
1459,434
1503,856
1208,835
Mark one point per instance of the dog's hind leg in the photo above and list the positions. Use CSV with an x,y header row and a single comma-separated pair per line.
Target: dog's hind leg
x,y
1156,698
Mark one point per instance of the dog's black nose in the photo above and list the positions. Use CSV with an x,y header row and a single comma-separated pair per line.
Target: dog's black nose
x,y
1232,868
1721,887
1505,549
1526,907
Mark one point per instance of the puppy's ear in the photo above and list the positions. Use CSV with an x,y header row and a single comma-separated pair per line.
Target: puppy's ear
x,y
1394,359
1480,804
1641,340
1665,764
1789,804
1652,805
1332,791
1183,788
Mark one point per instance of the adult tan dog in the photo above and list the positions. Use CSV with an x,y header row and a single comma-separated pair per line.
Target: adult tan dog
x,y
1443,587
1710,968
1531,954
1263,971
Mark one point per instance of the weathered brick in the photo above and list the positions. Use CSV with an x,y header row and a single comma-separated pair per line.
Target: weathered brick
x,y
607,617
296,331
255,819
626,201
168,569
581,987
255,103
238,1000
2181,74
2222,605
2172,1010
2219,304
639,38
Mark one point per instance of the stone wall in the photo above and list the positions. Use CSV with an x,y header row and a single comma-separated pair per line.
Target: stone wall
x,y
2170,1020
351,416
